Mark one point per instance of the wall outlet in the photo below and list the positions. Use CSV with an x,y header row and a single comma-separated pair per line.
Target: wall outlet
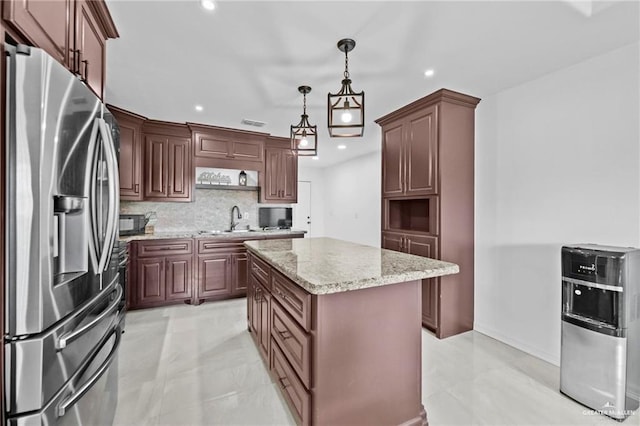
x,y
245,215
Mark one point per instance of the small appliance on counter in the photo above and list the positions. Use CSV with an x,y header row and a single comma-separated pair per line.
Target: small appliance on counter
x,y
132,224
275,217
600,347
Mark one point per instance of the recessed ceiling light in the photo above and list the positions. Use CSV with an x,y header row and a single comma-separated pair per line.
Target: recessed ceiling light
x,y
208,4
199,108
342,147
315,158
429,73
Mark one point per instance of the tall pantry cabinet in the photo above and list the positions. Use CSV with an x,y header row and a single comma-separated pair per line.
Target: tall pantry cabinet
x,y
428,199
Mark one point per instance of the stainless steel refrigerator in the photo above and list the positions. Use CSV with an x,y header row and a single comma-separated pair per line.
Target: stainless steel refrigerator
x,y
62,324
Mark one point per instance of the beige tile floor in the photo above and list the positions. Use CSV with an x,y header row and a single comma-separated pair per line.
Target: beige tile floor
x,y
188,365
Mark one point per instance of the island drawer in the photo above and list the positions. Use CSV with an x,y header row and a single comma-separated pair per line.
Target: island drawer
x,y
293,341
293,390
260,269
164,247
295,300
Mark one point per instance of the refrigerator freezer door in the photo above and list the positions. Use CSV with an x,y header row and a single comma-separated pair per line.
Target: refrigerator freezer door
x,y
51,145
40,366
89,398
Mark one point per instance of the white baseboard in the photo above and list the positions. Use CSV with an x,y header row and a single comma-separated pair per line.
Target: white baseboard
x,y
518,344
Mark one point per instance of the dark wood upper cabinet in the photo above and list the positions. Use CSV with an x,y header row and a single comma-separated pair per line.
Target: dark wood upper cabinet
x,y
168,169
279,183
410,166
428,199
45,24
179,169
130,162
227,148
421,153
90,45
393,164
74,32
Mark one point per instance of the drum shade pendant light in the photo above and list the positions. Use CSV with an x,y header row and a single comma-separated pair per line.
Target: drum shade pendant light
x,y
345,109
304,136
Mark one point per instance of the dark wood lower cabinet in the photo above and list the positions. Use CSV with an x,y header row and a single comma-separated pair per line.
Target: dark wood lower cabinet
x,y
150,281
264,313
162,272
214,275
166,271
426,246
239,281
178,278
430,303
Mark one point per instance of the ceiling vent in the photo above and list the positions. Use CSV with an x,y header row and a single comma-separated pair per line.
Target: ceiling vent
x,y
254,123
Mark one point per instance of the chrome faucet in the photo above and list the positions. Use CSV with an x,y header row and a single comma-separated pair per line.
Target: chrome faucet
x,y
234,224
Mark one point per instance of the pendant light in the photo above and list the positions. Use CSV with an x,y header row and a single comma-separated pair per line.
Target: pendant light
x,y
304,136
345,109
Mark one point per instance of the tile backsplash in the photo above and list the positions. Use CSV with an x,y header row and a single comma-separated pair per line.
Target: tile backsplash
x,y
210,210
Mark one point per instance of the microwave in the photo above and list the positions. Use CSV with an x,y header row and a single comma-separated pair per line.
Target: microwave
x,y
132,224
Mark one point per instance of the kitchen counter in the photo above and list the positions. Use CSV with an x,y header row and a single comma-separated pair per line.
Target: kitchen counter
x,y
197,234
326,265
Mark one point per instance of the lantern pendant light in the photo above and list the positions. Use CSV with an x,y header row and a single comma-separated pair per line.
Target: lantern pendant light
x,y
345,109
304,136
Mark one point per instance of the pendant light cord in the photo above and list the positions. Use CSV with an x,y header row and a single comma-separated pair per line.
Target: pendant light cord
x,y
346,64
304,104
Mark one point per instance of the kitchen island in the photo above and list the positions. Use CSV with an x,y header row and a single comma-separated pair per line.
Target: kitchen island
x,y
338,325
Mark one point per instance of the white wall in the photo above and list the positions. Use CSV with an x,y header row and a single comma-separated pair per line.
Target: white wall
x,y
315,176
557,161
352,200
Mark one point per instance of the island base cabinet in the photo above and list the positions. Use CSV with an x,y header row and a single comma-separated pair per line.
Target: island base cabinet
x,y
360,332
296,395
352,357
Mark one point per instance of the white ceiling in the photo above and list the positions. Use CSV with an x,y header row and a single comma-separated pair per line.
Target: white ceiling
x,y
247,58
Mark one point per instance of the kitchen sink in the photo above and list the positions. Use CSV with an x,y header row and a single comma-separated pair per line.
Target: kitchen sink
x,y
226,231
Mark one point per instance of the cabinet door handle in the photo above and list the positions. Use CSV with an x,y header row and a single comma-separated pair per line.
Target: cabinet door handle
x,y
283,382
136,188
284,334
75,63
86,70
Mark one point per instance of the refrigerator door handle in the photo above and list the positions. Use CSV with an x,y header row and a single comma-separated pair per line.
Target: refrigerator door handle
x,y
112,169
115,178
75,397
91,179
67,338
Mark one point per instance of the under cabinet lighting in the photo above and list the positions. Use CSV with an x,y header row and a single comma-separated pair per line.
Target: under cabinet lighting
x,y
315,158
342,147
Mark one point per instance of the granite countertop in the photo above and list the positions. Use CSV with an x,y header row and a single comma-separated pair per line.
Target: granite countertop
x,y
326,265
197,234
